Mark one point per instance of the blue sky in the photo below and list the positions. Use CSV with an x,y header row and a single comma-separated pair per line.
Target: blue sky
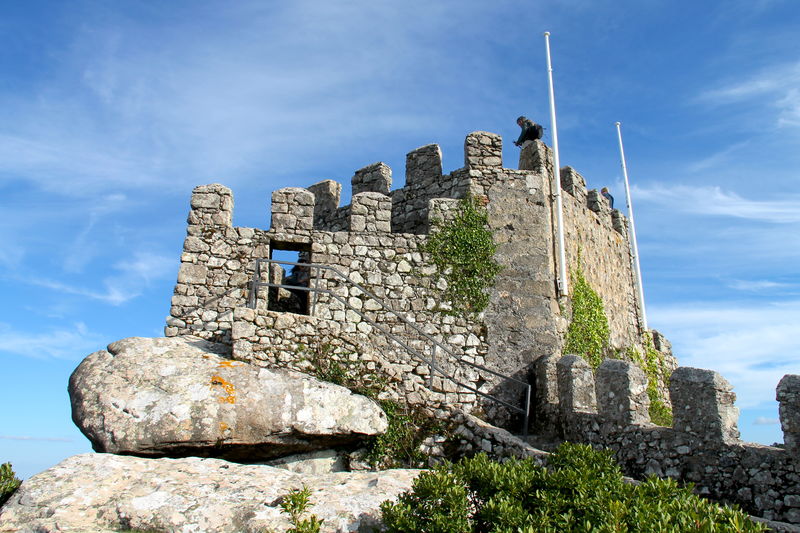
x,y
113,111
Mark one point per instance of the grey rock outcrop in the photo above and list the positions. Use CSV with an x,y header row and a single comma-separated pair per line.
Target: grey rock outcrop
x,y
104,493
179,397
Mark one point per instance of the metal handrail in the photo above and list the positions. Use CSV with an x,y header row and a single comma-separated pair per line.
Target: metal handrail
x,y
253,297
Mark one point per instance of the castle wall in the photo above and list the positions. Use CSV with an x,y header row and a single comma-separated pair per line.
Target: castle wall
x,y
608,409
270,339
376,240
216,266
596,241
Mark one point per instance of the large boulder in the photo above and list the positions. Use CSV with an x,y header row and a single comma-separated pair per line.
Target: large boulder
x,y
104,493
178,397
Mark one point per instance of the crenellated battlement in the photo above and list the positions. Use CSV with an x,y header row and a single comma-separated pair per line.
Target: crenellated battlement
x,y
378,241
608,408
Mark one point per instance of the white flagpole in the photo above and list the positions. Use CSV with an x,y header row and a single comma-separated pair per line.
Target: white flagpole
x,y
563,284
632,232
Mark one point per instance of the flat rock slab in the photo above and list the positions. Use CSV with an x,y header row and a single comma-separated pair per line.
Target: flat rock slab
x,y
103,493
179,397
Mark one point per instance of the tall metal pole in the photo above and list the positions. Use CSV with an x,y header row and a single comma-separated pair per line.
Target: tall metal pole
x,y
632,232
563,284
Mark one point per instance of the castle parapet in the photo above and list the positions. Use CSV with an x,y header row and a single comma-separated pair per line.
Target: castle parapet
x,y
372,212
573,183
483,149
575,385
212,205
327,194
619,222
424,167
545,390
788,396
376,178
702,404
292,210
536,156
622,393
597,203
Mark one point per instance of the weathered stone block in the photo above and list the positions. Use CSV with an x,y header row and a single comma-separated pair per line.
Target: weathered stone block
x,y
211,205
424,166
371,212
622,393
192,274
788,395
575,385
327,194
619,222
573,183
292,209
702,404
374,178
483,150
536,156
598,203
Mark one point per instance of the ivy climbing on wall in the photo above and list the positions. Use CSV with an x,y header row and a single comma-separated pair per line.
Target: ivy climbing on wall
x,y
588,331
463,252
652,362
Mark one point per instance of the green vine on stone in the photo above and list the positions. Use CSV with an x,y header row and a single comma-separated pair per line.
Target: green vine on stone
x,y
653,365
588,331
462,250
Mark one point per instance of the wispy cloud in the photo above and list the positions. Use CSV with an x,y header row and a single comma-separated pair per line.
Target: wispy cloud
x,y
27,438
717,158
132,277
751,345
775,85
764,421
756,285
72,343
713,200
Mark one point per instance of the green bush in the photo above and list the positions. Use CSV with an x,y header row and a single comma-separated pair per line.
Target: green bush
x,y
8,482
580,490
295,504
463,252
399,446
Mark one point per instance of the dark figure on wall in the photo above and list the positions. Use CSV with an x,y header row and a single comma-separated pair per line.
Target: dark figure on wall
x,y
530,130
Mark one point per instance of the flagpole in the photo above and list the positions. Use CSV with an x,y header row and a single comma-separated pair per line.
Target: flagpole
x,y
562,281
632,232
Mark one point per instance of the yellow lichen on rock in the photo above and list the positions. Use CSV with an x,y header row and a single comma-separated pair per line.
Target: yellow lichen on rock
x,y
227,387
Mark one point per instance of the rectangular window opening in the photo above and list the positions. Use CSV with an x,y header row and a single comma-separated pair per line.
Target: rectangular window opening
x,y
286,299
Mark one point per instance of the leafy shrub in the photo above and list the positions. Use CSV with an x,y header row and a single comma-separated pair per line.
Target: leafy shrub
x,y
8,482
399,446
295,504
463,251
581,490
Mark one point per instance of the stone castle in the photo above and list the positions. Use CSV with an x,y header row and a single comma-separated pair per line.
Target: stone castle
x,y
208,428
373,299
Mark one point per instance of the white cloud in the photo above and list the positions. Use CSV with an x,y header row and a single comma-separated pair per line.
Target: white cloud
x,y
751,345
27,438
764,421
717,158
756,285
72,343
713,200
133,276
775,86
